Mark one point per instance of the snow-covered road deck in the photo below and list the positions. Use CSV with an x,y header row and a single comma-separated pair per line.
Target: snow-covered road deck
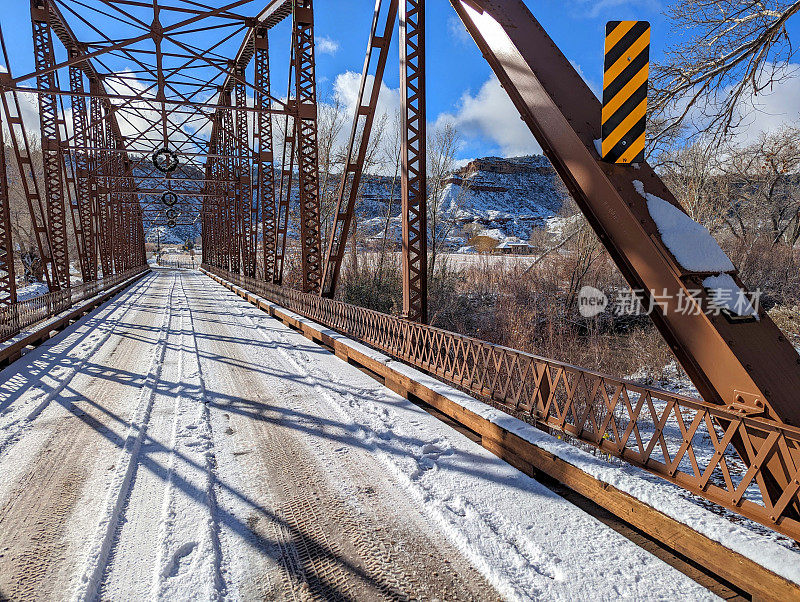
x,y
178,443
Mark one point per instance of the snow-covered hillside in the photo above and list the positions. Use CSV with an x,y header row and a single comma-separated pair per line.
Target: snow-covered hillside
x,y
512,195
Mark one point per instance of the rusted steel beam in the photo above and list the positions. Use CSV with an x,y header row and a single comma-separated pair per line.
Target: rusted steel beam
x,y
129,100
264,153
287,171
747,365
56,224
414,160
8,281
82,174
20,144
99,166
244,194
230,223
306,135
357,149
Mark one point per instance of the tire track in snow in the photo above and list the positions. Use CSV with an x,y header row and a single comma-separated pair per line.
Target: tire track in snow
x,y
325,525
13,428
189,554
95,562
452,513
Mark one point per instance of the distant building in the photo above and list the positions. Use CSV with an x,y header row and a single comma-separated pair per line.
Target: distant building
x,y
514,246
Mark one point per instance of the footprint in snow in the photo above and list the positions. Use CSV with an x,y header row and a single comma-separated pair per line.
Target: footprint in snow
x,y
180,559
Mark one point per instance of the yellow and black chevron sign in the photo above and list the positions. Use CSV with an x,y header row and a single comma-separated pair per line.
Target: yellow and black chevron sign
x,y
627,64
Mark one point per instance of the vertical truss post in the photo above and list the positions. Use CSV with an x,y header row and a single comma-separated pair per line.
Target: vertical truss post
x,y
112,186
264,152
230,214
216,208
22,151
244,195
51,149
357,150
414,160
306,134
98,168
8,282
287,169
81,165
284,198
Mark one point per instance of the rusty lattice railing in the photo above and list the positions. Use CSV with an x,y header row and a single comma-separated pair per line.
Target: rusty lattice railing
x,y
25,313
684,440
180,263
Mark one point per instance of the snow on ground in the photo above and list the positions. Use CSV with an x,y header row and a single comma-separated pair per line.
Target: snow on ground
x,y
178,442
529,542
763,546
31,290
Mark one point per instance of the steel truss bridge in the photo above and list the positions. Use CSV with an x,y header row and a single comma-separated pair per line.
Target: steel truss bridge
x,y
195,83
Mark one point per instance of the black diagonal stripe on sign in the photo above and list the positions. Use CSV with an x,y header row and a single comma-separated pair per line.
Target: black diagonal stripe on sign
x,y
627,107
611,26
613,54
613,88
624,144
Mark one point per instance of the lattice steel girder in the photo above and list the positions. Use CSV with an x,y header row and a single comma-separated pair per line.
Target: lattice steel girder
x,y
414,160
82,173
244,189
8,282
264,153
357,149
51,152
738,364
305,105
22,150
98,162
230,213
285,190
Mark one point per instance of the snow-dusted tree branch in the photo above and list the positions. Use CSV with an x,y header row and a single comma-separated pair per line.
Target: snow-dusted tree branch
x,y
724,53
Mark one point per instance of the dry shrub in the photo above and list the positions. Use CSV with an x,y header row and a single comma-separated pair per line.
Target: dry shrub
x,y
787,317
772,268
373,283
534,310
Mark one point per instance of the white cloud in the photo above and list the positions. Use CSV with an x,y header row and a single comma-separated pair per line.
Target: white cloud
x,y
325,45
490,115
346,86
593,9
764,113
772,108
458,31
593,85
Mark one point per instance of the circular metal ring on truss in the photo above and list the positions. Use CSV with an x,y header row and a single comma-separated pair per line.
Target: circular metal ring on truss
x,y
169,198
171,223
172,213
165,160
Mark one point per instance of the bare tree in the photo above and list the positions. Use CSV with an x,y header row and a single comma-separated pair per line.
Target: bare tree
x,y
691,172
764,187
723,51
330,123
443,143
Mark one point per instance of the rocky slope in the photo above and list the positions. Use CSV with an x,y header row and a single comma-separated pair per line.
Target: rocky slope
x,y
512,195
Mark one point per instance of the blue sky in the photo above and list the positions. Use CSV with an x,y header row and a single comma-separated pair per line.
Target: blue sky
x,y
459,80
